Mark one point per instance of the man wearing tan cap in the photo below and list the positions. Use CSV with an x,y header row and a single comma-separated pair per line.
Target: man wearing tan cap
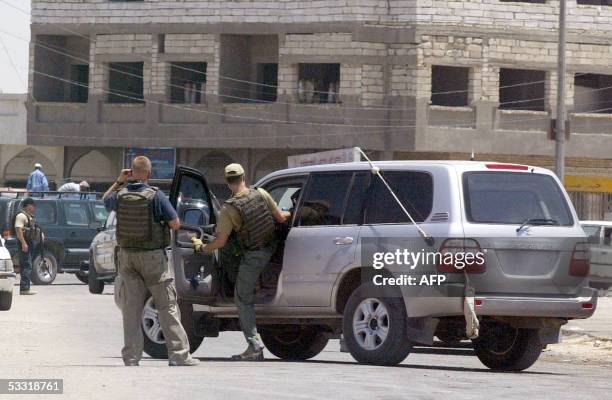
x,y
251,214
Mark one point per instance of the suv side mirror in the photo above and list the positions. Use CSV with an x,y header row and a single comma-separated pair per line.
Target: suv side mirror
x,y
97,225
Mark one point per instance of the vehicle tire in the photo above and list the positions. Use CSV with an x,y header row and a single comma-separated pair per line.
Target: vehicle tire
x,y
83,278
298,343
6,300
375,327
154,341
502,347
96,286
41,275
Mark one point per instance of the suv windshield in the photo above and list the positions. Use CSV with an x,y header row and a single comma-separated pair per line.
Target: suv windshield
x,y
513,198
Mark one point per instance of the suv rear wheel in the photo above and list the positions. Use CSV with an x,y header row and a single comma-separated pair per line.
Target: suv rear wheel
x,y
295,343
154,341
505,348
374,327
6,300
44,273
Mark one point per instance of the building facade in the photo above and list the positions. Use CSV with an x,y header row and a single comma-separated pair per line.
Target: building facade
x,y
255,81
17,159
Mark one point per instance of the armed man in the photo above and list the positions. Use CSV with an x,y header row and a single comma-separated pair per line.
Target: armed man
x,y
251,214
28,233
144,219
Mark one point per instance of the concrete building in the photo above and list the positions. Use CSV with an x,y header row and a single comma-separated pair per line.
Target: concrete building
x,y
255,81
16,158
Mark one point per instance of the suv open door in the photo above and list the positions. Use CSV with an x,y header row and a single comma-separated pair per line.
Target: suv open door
x,y
195,274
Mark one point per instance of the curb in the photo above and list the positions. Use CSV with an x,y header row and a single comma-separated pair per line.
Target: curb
x,y
580,332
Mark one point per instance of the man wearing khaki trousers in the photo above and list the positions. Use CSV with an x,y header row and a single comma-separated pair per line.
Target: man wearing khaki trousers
x,y
144,219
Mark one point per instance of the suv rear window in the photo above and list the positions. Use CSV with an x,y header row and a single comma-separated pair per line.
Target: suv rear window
x,y
45,213
414,189
512,198
76,214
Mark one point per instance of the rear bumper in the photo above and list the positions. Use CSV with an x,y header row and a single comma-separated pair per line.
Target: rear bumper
x,y
7,281
582,306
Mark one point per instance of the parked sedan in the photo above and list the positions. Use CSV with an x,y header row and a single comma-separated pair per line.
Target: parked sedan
x,y
600,240
102,266
7,278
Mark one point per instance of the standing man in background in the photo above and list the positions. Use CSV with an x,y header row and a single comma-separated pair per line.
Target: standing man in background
x,y
144,219
37,181
72,186
28,232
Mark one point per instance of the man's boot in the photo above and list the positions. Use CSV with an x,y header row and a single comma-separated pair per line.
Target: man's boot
x,y
252,353
190,362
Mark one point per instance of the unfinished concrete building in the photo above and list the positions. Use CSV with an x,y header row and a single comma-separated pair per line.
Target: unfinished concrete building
x,y
255,81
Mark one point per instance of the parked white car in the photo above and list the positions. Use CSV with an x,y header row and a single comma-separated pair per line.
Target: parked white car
x,y
102,267
600,240
7,278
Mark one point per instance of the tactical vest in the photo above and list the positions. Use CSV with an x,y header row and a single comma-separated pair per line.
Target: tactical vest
x,y
137,227
32,231
258,227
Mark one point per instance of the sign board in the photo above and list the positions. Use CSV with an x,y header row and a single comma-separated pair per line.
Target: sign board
x,y
163,160
325,157
598,184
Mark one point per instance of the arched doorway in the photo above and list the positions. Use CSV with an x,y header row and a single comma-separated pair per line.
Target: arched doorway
x,y
19,168
212,165
96,168
270,163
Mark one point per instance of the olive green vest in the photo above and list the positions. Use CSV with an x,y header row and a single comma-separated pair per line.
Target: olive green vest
x,y
32,231
137,227
258,227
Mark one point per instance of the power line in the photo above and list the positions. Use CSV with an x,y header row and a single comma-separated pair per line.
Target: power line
x,y
51,48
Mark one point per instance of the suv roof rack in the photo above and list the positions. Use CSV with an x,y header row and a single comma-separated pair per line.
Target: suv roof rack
x,y
52,195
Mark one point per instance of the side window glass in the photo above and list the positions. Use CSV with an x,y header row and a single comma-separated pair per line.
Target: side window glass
x,y
414,190
192,196
45,213
353,215
194,216
323,202
99,212
608,237
286,196
76,214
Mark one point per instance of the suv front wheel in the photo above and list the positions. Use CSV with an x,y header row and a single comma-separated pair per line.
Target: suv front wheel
x,y
295,343
374,327
154,341
505,348
44,273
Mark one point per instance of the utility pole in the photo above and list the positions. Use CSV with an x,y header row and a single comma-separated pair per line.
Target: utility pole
x,y
560,128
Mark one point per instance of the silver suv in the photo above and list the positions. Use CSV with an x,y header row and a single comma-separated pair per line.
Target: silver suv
x,y
325,280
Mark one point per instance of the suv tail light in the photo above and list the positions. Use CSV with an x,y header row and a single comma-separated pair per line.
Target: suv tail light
x,y
458,255
516,167
580,264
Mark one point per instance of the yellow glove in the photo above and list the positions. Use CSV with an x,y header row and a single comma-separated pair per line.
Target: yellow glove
x,y
197,244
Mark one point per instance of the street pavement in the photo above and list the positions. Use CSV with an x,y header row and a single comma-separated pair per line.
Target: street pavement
x,y
64,332
598,326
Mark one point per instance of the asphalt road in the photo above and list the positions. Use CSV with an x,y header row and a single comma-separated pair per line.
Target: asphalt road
x,y
64,332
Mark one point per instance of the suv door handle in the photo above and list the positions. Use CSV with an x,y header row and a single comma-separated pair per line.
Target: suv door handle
x,y
343,240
